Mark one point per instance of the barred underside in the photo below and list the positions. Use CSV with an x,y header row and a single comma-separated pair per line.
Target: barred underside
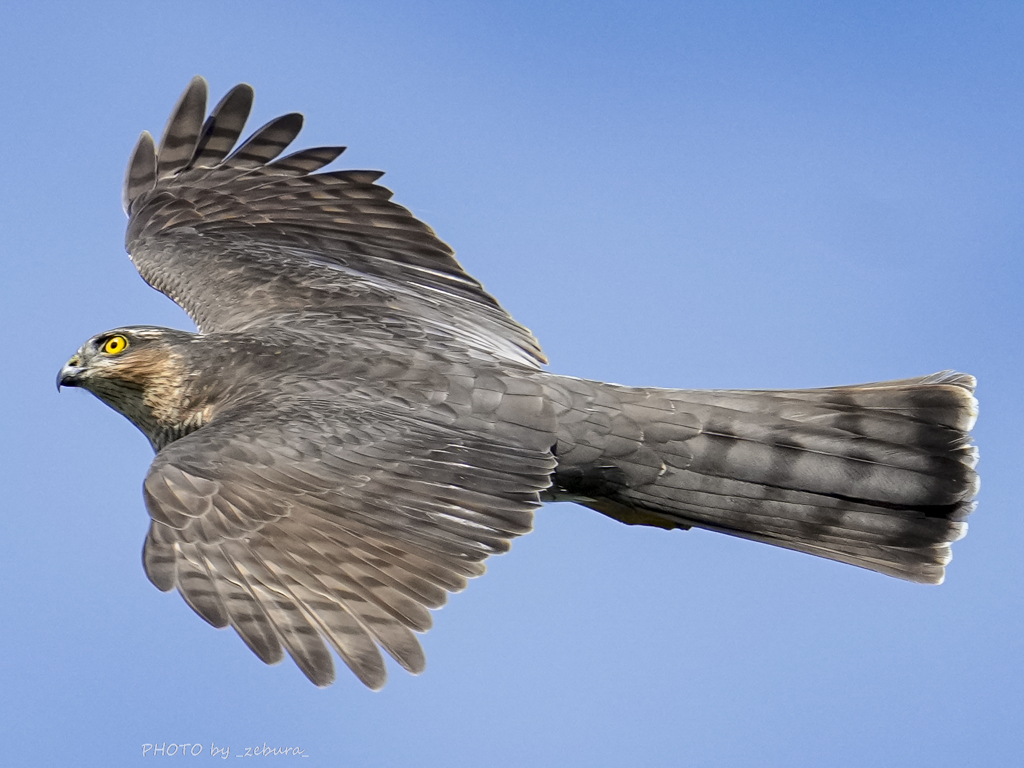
x,y
877,475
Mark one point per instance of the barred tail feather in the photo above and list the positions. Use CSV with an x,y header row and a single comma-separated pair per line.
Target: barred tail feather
x,y
878,475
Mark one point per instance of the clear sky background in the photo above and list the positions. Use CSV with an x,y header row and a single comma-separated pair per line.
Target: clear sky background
x,y
682,194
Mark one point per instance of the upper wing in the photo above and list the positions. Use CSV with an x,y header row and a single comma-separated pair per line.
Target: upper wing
x,y
240,239
307,522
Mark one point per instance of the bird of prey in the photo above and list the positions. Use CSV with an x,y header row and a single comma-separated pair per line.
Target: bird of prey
x,y
357,425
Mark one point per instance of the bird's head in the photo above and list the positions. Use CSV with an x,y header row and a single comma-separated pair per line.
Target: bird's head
x,y
138,371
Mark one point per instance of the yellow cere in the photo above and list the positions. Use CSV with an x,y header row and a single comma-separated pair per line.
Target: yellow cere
x,y
115,345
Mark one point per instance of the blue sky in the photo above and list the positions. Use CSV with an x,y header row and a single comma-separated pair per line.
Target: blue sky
x,y
677,194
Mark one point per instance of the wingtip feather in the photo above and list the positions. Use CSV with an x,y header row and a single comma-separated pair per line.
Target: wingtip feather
x,y
140,176
224,125
181,134
267,142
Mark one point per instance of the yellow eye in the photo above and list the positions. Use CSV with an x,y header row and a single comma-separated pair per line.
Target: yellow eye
x,y
115,345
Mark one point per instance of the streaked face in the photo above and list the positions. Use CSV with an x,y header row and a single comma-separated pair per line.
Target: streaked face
x,y
128,356
134,370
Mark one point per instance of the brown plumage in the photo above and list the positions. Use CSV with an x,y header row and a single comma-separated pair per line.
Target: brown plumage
x,y
358,425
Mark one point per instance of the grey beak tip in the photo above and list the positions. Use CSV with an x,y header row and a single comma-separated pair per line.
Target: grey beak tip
x,y
66,378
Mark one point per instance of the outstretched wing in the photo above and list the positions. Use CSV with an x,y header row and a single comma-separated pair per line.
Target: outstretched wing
x,y
306,524
241,239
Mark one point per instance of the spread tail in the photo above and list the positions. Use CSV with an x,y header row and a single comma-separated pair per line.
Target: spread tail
x,y
876,475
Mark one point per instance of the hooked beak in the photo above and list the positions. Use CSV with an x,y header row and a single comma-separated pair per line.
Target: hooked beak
x,y
71,374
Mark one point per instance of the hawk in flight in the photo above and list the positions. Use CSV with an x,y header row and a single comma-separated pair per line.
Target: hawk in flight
x,y
358,424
